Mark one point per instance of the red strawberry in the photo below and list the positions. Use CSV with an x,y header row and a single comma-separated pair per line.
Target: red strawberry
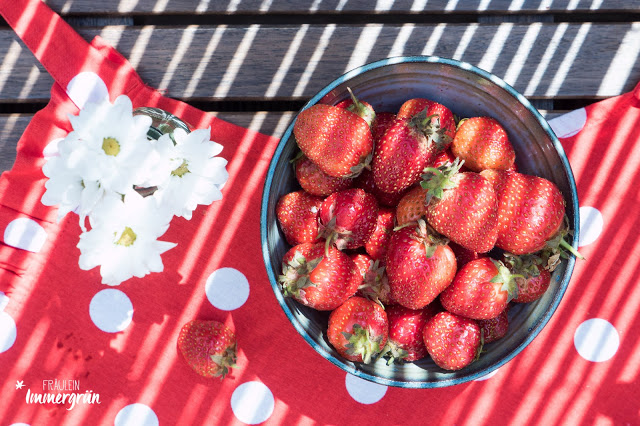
x,y
418,268
365,181
375,284
463,255
297,214
209,347
376,245
446,127
534,278
383,121
494,328
412,206
315,181
408,145
336,139
318,278
483,144
531,210
406,342
453,341
462,206
480,290
358,329
361,108
348,218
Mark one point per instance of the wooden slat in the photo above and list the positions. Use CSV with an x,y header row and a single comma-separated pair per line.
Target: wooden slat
x,y
333,6
294,62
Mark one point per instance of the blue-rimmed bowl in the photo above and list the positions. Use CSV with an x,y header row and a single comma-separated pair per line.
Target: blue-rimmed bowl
x,y
467,91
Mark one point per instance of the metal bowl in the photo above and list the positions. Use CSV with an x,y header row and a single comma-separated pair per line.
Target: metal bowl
x,y
467,91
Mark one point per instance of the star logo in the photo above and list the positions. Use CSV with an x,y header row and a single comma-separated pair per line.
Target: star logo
x,y
19,384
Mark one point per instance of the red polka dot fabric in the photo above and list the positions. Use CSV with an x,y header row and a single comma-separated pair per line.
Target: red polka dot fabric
x,y
112,350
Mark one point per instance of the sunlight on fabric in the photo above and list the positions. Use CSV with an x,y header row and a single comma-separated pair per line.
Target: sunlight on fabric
x,y
496,47
179,52
544,62
368,38
464,41
569,58
620,68
236,62
524,50
287,61
315,58
8,62
206,60
140,46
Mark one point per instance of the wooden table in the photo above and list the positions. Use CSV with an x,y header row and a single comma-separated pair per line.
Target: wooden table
x,y
255,63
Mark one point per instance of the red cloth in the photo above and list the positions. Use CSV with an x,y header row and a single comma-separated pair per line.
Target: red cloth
x,y
57,338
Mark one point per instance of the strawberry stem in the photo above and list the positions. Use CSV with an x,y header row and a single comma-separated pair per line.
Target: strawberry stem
x,y
570,249
361,109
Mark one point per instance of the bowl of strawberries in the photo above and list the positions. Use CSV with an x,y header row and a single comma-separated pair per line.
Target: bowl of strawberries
x,y
419,222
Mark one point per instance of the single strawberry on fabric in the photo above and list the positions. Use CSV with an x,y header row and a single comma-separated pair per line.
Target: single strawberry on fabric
x,y
316,182
462,206
452,341
297,214
495,328
480,290
531,210
375,284
208,346
419,267
483,144
336,139
407,147
358,329
406,341
348,218
376,245
319,277
534,277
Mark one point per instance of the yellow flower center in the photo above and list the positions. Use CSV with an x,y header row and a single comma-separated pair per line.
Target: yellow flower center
x,y
127,237
110,146
182,170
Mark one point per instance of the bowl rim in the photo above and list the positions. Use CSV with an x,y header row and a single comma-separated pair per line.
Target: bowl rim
x,y
540,324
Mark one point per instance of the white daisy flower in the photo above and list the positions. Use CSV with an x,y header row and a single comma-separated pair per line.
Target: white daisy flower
x,y
123,239
117,153
190,173
66,186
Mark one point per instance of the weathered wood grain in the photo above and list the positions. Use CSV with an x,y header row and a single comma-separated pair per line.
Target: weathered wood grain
x,y
331,6
293,62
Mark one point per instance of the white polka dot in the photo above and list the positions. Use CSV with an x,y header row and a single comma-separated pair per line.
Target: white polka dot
x,y
51,150
136,415
227,289
87,87
111,310
596,340
487,376
8,331
25,234
252,402
19,424
4,301
364,391
569,124
591,224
